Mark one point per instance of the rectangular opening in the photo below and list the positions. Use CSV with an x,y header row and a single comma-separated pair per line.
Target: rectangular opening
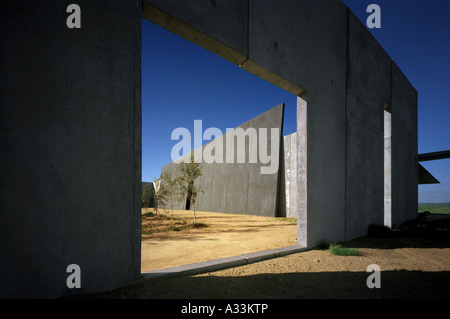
x,y
183,109
387,166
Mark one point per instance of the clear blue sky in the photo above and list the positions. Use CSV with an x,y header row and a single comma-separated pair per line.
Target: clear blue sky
x,y
182,82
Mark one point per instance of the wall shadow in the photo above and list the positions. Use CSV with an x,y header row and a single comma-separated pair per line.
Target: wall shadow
x,y
400,284
433,234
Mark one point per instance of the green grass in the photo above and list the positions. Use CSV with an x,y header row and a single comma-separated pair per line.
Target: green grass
x,y
338,250
439,209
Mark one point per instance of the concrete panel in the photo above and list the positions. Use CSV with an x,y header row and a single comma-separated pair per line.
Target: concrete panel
x,y
404,148
70,165
204,184
262,188
368,89
238,181
303,42
236,187
219,189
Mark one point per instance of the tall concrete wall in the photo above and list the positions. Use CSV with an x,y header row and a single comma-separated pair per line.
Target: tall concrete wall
x,y
239,188
376,89
70,146
368,90
404,148
70,123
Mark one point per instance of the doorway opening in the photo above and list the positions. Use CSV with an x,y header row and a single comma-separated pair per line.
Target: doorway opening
x,y
171,99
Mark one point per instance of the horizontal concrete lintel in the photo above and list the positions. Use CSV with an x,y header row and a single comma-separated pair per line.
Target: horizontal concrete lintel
x,y
191,34
222,263
265,74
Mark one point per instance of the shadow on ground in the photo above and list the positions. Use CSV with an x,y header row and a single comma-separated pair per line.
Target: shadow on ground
x,y
413,234
394,284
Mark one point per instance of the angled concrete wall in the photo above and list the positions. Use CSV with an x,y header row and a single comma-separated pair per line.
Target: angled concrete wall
x,y
70,147
239,188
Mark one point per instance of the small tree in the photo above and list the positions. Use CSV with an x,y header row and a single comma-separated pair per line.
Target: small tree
x,y
146,195
194,192
189,172
169,190
158,196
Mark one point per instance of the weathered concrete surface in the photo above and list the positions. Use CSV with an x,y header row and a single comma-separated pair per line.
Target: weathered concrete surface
x,y
368,90
404,148
290,174
70,146
70,124
239,187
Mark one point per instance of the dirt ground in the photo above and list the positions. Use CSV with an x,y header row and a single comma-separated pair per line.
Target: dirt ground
x,y
413,264
219,235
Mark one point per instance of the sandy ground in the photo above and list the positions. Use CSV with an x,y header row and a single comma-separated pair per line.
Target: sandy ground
x,y
411,267
225,235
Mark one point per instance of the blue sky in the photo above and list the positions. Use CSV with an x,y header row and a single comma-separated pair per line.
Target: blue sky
x,y
182,82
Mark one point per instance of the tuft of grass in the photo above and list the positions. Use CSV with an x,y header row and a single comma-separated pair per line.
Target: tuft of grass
x,y
338,250
176,229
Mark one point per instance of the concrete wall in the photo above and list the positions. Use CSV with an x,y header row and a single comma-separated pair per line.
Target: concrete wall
x,y
404,148
368,90
381,170
239,188
71,124
70,145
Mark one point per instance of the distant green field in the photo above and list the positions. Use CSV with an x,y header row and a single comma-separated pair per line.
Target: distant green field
x,y
441,209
